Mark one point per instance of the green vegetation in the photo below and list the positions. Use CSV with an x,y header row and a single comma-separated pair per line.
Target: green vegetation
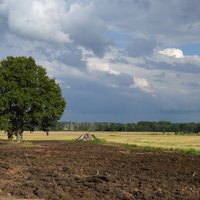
x,y
190,151
29,99
97,141
189,144
142,126
25,144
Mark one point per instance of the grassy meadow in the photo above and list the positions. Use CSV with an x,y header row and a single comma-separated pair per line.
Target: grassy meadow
x,y
160,140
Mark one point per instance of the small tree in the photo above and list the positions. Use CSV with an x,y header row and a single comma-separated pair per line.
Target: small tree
x,y
29,99
197,128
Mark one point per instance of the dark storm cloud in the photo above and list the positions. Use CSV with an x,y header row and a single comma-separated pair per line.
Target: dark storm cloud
x,y
3,25
192,85
140,47
78,24
3,29
71,56
120,36
185,67
119,80
170,21
93,97
87,22
91,42
86,28
122,13
119,60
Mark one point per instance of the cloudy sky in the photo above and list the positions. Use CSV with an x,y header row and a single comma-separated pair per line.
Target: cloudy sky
x,y
115,60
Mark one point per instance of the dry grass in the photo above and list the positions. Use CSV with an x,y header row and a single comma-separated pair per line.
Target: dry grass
x,y
155,140
140,139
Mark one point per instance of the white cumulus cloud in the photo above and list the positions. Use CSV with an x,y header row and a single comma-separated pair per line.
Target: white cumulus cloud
x,y
142,84
35,19
172,52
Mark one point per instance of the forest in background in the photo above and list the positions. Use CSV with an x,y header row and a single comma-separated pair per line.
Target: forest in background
x,y
160,126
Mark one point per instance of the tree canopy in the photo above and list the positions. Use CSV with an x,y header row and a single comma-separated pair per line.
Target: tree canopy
x,y
29,99
141,126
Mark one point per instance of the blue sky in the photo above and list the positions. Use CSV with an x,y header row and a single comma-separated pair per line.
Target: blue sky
x,y
116,60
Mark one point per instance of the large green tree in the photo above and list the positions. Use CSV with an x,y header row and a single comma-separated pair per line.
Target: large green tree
x,y
29,99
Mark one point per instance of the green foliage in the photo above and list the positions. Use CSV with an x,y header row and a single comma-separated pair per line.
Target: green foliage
x,y
143,148
97,141
197,128
130,146
142,126
29,99
189,151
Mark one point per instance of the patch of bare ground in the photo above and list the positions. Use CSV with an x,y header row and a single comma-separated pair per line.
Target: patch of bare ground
x,y
80,170
11,198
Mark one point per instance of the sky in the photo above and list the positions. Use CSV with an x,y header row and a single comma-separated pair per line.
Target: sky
x,y
116,60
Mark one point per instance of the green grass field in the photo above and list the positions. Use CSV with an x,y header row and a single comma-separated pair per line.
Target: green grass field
x,y
166,141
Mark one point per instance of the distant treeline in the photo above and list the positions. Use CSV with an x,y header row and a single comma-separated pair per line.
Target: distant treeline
x,y
161,126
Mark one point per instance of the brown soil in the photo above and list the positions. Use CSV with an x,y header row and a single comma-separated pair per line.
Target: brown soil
x,y
68,171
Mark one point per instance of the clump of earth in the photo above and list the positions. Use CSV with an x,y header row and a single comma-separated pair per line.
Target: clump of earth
x,y
58,170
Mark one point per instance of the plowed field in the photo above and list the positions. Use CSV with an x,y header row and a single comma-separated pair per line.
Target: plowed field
x,y
57,170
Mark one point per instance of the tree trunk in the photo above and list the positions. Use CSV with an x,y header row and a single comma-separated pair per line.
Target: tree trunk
x,y
10,135
19,136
